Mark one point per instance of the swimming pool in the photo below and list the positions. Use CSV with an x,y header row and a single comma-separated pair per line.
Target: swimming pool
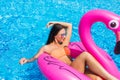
x,y
23,31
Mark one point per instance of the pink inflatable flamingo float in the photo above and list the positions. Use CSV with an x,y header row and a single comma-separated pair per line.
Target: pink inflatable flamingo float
x,y
112,22
53,69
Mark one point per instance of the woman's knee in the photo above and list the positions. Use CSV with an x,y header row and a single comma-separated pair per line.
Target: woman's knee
x,y
86,54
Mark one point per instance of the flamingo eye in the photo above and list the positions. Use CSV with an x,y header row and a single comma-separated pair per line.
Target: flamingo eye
x,y
113,24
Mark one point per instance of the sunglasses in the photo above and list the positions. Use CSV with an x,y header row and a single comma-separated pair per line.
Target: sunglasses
x,y
63,35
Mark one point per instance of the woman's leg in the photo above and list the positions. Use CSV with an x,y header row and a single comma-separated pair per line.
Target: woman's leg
x,y
92,75
87,59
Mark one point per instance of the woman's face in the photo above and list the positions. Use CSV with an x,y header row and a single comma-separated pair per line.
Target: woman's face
x,y
60,36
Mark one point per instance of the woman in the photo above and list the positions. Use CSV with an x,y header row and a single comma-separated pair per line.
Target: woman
x,y
58,41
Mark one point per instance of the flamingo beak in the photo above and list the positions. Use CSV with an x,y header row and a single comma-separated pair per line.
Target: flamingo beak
x,y
117,46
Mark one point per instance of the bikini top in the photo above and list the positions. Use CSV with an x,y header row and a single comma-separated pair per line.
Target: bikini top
x,y
67,50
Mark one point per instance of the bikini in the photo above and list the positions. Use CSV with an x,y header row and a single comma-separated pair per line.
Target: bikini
x,y
67,51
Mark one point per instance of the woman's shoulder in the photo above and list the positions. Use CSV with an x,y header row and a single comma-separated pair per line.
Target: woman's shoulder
x,y
46,48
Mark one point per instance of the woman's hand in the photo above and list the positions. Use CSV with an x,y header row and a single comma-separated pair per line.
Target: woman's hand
x,y
23,61
65,24
50,24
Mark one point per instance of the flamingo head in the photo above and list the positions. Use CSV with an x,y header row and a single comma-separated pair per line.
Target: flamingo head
x,y
114,25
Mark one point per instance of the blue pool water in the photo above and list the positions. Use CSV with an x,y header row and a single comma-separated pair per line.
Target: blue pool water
x,y
23,31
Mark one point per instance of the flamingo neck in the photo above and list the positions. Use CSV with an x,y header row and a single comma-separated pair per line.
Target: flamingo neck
x,y
85,27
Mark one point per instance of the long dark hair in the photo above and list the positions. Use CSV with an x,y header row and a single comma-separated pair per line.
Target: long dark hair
x,y
54,31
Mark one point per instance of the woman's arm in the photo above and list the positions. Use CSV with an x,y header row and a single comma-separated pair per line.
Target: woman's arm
x,y
24,60
69,30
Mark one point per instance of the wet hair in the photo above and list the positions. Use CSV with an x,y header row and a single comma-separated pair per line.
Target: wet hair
x,y
54,31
